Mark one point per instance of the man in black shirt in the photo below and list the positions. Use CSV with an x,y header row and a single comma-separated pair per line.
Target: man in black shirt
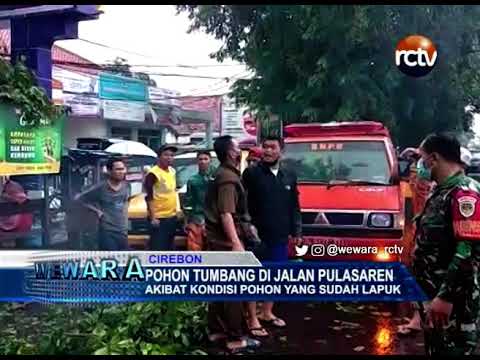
x,y
274,207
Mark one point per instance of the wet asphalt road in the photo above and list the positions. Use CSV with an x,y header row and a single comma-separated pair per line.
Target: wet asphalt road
x,y
346,329
342,329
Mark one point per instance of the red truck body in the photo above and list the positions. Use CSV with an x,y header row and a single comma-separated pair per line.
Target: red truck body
x,y
350,194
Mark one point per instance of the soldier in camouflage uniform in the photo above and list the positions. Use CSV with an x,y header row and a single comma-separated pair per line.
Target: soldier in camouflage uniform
x,y
447,250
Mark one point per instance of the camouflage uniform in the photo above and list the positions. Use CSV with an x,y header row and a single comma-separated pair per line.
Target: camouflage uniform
x,y
446,261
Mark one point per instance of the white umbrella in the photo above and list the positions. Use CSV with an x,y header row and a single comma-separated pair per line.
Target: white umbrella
x,y
128,147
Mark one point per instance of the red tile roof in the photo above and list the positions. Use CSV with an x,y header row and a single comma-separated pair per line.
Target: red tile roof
x,y
59,55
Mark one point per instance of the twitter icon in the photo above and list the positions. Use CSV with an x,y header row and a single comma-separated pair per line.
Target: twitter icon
x,y
301,250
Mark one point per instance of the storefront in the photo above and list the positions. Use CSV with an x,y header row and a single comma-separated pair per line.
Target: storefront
x,y
165,107
147,133
30,152
126,111
80,96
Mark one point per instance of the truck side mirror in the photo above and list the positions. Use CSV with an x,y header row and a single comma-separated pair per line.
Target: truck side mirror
x,y
403,168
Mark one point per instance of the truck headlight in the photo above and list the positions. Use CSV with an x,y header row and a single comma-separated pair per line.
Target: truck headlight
x,y
380,220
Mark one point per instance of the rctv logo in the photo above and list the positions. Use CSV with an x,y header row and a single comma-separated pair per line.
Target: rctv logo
x,y
416,55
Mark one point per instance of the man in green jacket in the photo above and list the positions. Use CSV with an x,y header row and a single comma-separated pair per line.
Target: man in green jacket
x,y
195,202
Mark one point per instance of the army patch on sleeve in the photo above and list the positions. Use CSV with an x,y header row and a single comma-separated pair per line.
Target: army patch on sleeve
x,y
465,215
466,205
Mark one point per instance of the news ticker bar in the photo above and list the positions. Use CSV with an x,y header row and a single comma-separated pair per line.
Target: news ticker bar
x,y
117,277
27,259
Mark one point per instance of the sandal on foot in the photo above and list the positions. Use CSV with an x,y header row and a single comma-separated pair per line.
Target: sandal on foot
x,y
276,321
216,338
250,344
258,330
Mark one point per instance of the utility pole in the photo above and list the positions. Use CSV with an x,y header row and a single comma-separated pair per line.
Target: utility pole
x,y
209,134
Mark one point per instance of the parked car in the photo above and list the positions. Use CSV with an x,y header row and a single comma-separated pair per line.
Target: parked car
x,y
185,166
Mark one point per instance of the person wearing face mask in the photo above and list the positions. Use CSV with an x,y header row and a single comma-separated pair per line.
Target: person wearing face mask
x,y
446,258
274,207
421,190
225,211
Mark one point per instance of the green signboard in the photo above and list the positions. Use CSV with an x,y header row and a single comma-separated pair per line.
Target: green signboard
x,y
115,87
27,149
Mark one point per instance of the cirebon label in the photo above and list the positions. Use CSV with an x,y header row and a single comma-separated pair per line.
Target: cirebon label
x,y
416,55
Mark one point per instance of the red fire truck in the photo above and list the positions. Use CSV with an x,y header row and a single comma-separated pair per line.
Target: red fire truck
x,y
350,197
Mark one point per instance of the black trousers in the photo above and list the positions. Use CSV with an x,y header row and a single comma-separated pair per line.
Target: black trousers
x,y
162,237
226,317
112,240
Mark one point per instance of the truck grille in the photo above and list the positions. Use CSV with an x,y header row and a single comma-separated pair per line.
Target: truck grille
x,y
309,217
334,218
352,233
351,219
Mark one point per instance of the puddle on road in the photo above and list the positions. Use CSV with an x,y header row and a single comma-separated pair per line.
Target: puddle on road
x,y
353,329
384,337
341,329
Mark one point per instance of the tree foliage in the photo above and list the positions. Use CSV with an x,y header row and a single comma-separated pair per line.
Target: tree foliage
x,y
166,328
336,62
119,66
19,87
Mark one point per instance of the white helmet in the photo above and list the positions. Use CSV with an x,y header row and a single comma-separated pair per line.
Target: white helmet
x,y
465,156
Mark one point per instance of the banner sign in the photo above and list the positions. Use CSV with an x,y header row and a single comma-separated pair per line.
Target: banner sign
x,y
116,277
74,82
236,121
163,96
26,149
114,87
232,119
82,104
123,110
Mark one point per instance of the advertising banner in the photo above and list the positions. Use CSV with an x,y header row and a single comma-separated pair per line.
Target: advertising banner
x,y
232,119
237,121
82,104
163,96
114,87
123,110
27,149
74,82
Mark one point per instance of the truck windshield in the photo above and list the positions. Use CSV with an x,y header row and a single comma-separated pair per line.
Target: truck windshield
x,y
343,161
